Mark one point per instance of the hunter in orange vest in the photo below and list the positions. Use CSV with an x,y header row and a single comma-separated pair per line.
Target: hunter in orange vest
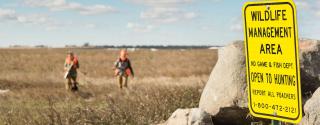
x,y
70,67
123,68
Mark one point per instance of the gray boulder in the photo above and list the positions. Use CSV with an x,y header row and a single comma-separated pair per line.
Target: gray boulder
x,y
309,57
193,116
226,86
225,94
312,110
310,66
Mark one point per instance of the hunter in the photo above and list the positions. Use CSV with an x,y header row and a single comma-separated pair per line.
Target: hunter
x,y
70,67
123,69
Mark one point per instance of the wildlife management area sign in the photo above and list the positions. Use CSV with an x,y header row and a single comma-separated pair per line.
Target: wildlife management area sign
x,y
272,60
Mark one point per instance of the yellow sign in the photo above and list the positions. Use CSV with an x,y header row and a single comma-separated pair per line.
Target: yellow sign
x,y
272,60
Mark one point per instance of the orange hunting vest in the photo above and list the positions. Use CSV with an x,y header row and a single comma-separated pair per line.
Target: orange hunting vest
x,y
75,61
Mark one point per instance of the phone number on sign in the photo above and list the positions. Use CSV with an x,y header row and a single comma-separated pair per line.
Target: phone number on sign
x,y
275,107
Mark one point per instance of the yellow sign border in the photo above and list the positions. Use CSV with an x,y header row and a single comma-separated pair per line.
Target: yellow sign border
x,y
296,43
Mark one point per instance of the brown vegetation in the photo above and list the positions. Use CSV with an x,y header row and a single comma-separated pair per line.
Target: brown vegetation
x,y
165,80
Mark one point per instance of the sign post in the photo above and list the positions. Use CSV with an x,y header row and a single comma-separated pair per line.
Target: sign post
x,y
272,60
275,122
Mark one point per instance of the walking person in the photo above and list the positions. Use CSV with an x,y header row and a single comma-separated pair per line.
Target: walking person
x,y
70,67
123,69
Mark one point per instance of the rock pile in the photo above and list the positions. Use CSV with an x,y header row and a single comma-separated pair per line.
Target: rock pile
x,y
224,98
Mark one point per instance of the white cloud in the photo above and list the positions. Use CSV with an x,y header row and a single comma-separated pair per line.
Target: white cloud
x,y
11,15
207,27
165,11
60,5
51,28
139,28
216,1
90,26
162,3
312,6
33,19
7,14
303,4
236,27
236,24
166,15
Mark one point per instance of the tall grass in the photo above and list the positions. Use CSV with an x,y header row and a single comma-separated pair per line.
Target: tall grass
x,y
165,80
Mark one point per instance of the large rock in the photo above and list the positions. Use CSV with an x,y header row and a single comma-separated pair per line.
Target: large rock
x,y
310,66
310,57
225,93
193,116
226,86
312,110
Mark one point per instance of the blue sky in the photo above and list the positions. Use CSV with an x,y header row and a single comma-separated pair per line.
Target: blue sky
x,y
133,22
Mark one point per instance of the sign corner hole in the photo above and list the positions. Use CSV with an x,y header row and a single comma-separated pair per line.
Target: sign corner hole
x,y
268,7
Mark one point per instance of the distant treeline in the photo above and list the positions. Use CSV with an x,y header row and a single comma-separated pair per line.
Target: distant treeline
x,y
159,46
125,46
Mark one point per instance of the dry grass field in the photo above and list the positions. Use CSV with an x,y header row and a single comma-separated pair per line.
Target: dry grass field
x,y
165,80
